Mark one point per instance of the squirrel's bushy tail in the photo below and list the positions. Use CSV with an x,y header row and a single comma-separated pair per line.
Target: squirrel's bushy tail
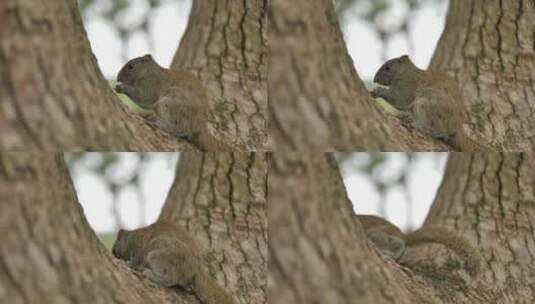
x,y
460,245
209,292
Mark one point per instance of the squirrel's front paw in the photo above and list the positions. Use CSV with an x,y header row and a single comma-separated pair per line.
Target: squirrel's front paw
x,y
120,88
406,119
379,92
149,274
148,115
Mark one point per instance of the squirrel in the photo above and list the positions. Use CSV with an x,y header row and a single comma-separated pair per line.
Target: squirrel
x,y
392,242
166,253
431,100
174,101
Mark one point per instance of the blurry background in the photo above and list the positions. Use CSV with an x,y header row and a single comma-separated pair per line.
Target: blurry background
x,y
390,28
374,30
128,189
397,186
121,190
122,29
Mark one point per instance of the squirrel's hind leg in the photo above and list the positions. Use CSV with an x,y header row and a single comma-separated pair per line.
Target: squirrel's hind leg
x,y
167,268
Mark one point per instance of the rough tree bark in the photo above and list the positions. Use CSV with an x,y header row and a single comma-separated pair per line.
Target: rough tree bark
x,y
54,97
226,44
49,254
319,253
222,199
318,101
489,47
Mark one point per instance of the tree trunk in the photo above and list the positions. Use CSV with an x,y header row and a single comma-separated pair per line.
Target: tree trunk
x,y
221,199
226,44
49,254
318,101
54,97
489,47
319,253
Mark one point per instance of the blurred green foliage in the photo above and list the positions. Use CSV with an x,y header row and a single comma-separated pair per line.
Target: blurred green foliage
x,y
108,240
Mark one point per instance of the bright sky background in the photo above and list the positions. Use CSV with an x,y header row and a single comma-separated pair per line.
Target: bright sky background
x,y
158,175
156,179
170,21
424,179
167,28
425,29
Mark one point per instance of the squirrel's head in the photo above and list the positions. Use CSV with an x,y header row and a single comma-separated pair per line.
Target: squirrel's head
x,y
389,245
135,71
120,248
392,69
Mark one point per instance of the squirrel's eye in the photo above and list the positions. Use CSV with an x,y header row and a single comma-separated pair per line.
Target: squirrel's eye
x,y
387,68
130,66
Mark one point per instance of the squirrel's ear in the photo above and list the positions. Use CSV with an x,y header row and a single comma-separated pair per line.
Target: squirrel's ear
x,y
147,57
405,57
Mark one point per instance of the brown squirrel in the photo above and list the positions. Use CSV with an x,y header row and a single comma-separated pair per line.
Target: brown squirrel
x,y
167,254
431,100
174,101
393,243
